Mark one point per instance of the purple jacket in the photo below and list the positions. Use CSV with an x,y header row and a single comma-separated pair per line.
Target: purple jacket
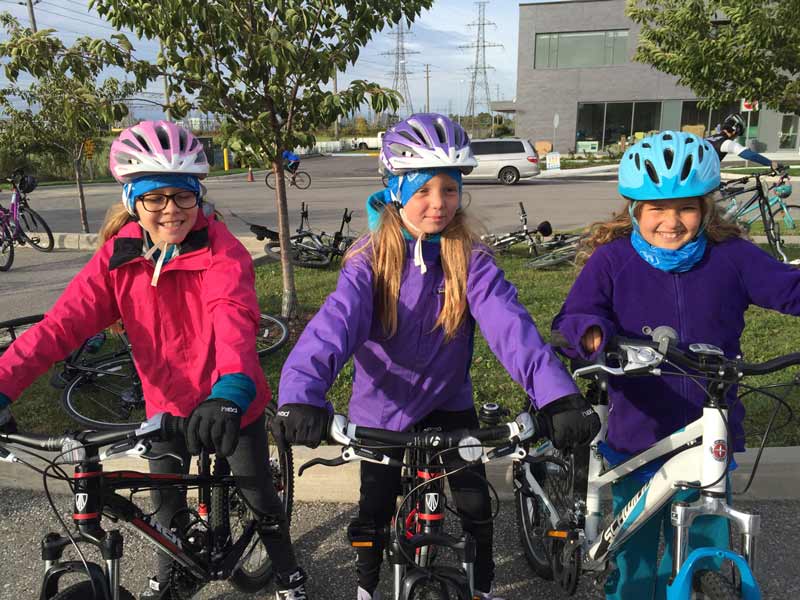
x,y
400,380
618,291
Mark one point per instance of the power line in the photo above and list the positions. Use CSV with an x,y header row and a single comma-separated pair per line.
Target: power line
x,y
400,74
479,67
57,14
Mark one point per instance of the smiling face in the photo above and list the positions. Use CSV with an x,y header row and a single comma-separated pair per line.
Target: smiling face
x,y
172,224
670,224
433,205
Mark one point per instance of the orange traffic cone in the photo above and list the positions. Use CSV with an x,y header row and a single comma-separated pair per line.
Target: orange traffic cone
x,y
250,177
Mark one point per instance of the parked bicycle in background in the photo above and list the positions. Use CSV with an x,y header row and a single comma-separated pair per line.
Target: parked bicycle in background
x,y
29,228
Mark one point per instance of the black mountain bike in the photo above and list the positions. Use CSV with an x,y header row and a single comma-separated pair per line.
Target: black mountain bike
x,y
418,536
314,250
218,542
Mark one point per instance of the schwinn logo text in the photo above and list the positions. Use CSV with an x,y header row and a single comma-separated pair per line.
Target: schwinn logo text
x,y
610,533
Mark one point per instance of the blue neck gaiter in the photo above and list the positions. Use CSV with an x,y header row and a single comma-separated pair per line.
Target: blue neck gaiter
x,y
672,261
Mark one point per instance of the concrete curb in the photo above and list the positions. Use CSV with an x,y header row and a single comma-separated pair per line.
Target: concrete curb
x,y
775,479
580,172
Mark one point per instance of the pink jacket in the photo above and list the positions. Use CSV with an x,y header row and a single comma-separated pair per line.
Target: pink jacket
x,y
198,324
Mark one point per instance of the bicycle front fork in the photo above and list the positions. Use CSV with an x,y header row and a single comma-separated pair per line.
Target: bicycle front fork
x,y
110,547
684,514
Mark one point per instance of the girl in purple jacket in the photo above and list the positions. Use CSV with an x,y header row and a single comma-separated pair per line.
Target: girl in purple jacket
x,y
667,259
405,309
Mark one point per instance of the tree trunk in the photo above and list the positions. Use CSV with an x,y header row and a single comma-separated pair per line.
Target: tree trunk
x,y
289,305
81,197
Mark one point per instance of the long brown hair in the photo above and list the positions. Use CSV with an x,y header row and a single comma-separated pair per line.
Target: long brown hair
x,y
621,225
387,247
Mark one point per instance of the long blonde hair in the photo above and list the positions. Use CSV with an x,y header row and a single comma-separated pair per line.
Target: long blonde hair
x,y
387,247
621,225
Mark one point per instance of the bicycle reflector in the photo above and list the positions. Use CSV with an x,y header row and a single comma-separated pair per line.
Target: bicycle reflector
x,y
783,191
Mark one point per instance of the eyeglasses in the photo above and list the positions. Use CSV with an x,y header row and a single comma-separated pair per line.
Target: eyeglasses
x,y
158,202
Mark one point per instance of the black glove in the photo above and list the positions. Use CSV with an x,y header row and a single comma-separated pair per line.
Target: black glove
x,y
569,421
301,424
7,422
214,425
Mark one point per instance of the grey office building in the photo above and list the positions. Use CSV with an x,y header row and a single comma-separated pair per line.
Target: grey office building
x,y
576,60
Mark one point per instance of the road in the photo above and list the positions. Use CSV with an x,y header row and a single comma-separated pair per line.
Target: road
x,y
319,532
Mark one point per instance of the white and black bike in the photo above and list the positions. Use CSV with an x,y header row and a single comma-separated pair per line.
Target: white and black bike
x,y
558,493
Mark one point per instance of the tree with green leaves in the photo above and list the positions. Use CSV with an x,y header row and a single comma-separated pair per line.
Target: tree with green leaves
x,y
724,50
67,104
265,66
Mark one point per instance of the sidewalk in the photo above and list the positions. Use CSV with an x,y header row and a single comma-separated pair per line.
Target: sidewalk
x,y
776,478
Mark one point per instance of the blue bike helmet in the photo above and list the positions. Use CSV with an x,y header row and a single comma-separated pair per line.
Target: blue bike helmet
x,y
670,164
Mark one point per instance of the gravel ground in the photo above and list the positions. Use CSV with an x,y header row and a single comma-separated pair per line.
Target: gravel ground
x,y
319,532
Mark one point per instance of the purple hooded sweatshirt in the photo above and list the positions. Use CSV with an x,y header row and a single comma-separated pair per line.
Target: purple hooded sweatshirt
x,y
400,380
619,292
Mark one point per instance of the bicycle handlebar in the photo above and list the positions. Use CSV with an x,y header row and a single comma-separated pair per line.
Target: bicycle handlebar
x,y
160,426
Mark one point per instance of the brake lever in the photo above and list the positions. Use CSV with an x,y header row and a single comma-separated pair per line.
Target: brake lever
x,y
134,448
325,462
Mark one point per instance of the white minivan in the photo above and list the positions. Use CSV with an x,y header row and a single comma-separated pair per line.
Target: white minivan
x,y
506,159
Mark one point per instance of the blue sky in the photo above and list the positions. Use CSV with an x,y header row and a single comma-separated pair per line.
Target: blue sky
x,y
436,36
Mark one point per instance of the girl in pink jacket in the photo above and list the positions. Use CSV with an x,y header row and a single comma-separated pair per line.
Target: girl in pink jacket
x,y
183,286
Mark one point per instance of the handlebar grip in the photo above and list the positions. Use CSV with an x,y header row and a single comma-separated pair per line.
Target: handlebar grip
x,y
172,426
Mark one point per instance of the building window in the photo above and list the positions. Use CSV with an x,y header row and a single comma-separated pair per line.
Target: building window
x,y
613,126
703,121
581,49
646,119
589,129
788,133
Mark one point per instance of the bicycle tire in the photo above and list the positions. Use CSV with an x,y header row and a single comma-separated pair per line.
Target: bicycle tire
x,y
270,180
11,330
302,180
300,253
109,399
35,230
430,589
553,259
273,333
230,512
6,249
564,487
772,231
713,585
83,591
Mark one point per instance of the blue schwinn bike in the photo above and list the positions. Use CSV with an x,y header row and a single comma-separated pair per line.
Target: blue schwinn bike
x,y
558,500
767,205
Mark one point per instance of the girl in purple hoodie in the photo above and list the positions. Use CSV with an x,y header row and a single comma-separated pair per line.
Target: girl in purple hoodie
x,y
405,308
667,259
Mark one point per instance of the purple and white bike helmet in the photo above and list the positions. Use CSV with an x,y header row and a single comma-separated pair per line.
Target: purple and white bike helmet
x,y
156,148
426,141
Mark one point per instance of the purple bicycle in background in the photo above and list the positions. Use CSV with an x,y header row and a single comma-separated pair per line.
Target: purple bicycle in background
x,y
21,224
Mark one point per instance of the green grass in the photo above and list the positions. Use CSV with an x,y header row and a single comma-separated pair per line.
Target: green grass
x,y
768,334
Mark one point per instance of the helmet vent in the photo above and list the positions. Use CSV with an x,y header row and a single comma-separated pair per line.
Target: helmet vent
x,y
181,140
408,136
689,140
457,135
646,145
638,162
666,137
440,132
163,138
420,134
142,141
687,167
130,144
402,150
700,154
651,172
669,156
194,144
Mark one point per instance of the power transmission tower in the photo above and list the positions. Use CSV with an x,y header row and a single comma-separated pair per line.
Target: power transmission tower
x,y
479,83
401,73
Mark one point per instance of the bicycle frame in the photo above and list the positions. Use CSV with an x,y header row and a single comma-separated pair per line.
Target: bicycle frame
x,y
95,495
737,213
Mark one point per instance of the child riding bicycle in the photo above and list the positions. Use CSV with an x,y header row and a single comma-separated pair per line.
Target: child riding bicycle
x,y
184,288
291,162
666,259
405,307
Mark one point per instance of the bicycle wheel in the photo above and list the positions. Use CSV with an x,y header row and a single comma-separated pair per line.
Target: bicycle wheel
x,y
772,230
430,589
272,334
11,330
83,591
34,229
6,249
713,585
553,259
107,397
564,484
302,252
231,514
270,180
302,180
